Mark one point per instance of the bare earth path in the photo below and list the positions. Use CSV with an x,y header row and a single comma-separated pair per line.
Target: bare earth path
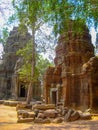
x,y
8,121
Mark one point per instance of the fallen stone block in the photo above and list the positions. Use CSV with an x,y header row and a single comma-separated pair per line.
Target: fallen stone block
x,y
59,111
74,116
46,121
41,115
21,106
64,112
51,113
43,106
13,103
68,114
31,114
58,120
24,120
85,116
23,113
38,120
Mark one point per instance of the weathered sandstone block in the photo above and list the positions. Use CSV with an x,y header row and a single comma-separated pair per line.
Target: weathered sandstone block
x,y
43,106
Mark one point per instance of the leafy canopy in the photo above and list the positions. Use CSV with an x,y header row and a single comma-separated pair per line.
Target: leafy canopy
x,y
60,12
29,12
4,35
25,69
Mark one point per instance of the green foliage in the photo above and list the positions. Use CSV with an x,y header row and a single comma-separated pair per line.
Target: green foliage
x,y
4,36
29,12
25,70
60,12
26,52
86,10
41,65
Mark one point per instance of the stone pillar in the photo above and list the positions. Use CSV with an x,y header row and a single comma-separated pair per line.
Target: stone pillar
x,y
66,88
73,93
46,91
13,93
86,91
90,90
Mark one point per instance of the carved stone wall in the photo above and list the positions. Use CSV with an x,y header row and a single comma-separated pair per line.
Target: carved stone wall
x,y
89,87
77,88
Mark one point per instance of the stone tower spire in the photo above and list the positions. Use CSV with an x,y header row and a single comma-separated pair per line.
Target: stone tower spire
x,y
15,41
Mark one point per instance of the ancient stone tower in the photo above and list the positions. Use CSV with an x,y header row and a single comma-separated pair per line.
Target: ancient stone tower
x,y
10,84
15,41
70,81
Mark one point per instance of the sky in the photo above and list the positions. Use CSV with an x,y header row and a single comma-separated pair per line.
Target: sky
x,y
93,34
6,11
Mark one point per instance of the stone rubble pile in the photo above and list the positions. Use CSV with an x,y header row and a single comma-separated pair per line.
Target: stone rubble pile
x,y
48,113
10,103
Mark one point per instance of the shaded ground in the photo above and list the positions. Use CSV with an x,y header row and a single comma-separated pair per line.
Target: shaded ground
x,y
8,121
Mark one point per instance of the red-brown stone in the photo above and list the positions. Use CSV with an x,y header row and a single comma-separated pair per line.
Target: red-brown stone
x,y
74,79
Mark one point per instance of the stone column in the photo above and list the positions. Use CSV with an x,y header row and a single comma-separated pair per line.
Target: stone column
x,y
81,90
86,92
66,88
72,84
90,90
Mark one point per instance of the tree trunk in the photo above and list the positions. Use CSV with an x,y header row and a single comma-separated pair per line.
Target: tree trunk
x,y
91,94
31,84
29,94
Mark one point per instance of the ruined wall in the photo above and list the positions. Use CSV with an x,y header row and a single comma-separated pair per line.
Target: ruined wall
x,y
89,87
52,81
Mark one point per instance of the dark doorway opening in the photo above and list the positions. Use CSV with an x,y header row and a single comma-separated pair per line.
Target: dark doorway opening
x,y
22,91
9,84
54,97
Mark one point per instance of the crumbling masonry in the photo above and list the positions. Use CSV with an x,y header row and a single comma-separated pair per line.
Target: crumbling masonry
x,y
74,79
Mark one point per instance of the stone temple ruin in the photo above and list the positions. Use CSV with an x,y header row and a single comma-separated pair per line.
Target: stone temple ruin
x,y
72,82
74,79
10,84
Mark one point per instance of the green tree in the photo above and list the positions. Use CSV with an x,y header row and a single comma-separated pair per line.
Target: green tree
x,y
24,71
62,11
4,36
30,13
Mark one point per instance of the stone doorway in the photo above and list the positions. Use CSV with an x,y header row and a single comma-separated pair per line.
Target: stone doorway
x,y
54,96
22,91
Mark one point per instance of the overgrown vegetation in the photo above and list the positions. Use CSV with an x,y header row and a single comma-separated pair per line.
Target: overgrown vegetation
x,y
24,71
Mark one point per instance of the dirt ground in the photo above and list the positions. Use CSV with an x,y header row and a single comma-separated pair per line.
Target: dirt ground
x,y
8,121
